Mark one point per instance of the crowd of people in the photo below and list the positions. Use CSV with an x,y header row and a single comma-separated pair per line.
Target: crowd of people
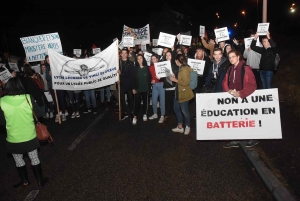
x,y
229,67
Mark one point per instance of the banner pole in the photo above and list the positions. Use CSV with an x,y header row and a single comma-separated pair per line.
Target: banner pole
x,y
119,97
58,113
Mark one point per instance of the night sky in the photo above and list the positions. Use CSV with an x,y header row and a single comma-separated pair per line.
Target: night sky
x,y
85,23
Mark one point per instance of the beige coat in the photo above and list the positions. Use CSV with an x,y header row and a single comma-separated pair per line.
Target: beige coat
x,y
185,92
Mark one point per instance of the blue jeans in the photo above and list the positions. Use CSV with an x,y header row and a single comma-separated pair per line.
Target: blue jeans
x,y
180,108
158,91
107,89
89,96
266,78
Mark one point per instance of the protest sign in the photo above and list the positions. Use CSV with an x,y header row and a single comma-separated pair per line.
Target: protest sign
x,y
14,66
147,56
4,74
128,41
163,69
262,28
140,35
158,51
154,42
48,96
197,65
36,46
185,40
83,74
166,40
77,52
248,42
96,50
220,116
202,31
144,47
37,69
222,34
121,45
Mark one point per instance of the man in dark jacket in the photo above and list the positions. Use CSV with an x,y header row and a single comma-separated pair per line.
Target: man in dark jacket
x,y
126,73
267,60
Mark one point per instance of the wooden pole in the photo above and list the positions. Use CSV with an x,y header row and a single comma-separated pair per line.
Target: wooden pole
x,y
58,113
119,94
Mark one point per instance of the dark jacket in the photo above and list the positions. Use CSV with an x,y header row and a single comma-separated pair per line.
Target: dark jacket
x,y
33,89
207,66
267,60
222,67
126,75
135,79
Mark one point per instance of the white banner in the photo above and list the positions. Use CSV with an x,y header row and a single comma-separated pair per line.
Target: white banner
x,y
82,74
14,66
166,40
185,40
154,42
128,41
140,35
158,51
202,31
220,116
262,28
5,74
147,56
197,65
77,52
222,34
163,69
36,46
96,50
248,42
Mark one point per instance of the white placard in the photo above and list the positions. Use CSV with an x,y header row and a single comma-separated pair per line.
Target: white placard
x,y
37,69
202,31
262,28
154,42
96,50
197,65
5,75
166,40
121,45
163,69
185,40
77,52
158,51
222,34
147,56
48,96
144,47
178,36
36,46
14,66
220,116
128,41
248,42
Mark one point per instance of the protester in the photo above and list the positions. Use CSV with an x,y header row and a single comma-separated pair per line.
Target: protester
x,y
102,97
240,82
183,93
48,107
200,55
21,135
210,46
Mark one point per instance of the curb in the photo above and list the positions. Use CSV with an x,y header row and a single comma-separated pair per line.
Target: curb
x,y
279,192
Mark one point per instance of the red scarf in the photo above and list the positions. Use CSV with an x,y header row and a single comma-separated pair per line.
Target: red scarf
x,y
38,83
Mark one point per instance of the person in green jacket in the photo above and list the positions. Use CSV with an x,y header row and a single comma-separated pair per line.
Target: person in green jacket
x,y
21,134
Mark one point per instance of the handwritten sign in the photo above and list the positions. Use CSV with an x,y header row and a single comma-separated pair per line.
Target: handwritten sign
x,y
140,35
154,42
222,34
166,40
248,42
36,46
185,40
96,50
128,41
5,75
147,56
221,116
163,69
262,28
197,65
202,31
77,52
14,66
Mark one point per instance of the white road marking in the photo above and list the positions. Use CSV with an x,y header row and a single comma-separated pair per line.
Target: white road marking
x,y
31,196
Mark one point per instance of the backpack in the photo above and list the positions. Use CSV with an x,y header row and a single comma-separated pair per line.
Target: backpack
x,y
277,59
194,80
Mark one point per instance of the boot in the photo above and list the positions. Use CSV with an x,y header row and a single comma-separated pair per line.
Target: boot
x,y
37,171
23,175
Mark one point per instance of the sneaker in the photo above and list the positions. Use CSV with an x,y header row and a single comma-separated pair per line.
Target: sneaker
x,y
51,115
124,116
73,115
87,111
251,143
47,115
56,118
232,144
154,116
178,130
187,130
161,119
145,117
66,113
63,117
95,111
77,115
134,120
150,102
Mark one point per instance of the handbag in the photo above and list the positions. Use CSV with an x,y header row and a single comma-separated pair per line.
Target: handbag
x,y
42,132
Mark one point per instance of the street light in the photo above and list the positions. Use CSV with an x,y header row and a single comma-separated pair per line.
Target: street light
x,y
235,25
292,8
243,12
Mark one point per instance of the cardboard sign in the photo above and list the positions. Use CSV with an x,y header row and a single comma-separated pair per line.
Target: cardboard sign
x,y
166,40
128,41
262,28
185,40
163,69
248,42
77,52
96,50
14,66
222,34
154,42
202,31
197,65
220,116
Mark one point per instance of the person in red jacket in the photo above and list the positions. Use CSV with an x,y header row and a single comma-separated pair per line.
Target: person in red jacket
x,y
239,81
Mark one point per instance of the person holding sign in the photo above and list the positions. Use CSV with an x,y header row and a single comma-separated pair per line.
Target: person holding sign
x,y
240,82
267,60
141,84
183,93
